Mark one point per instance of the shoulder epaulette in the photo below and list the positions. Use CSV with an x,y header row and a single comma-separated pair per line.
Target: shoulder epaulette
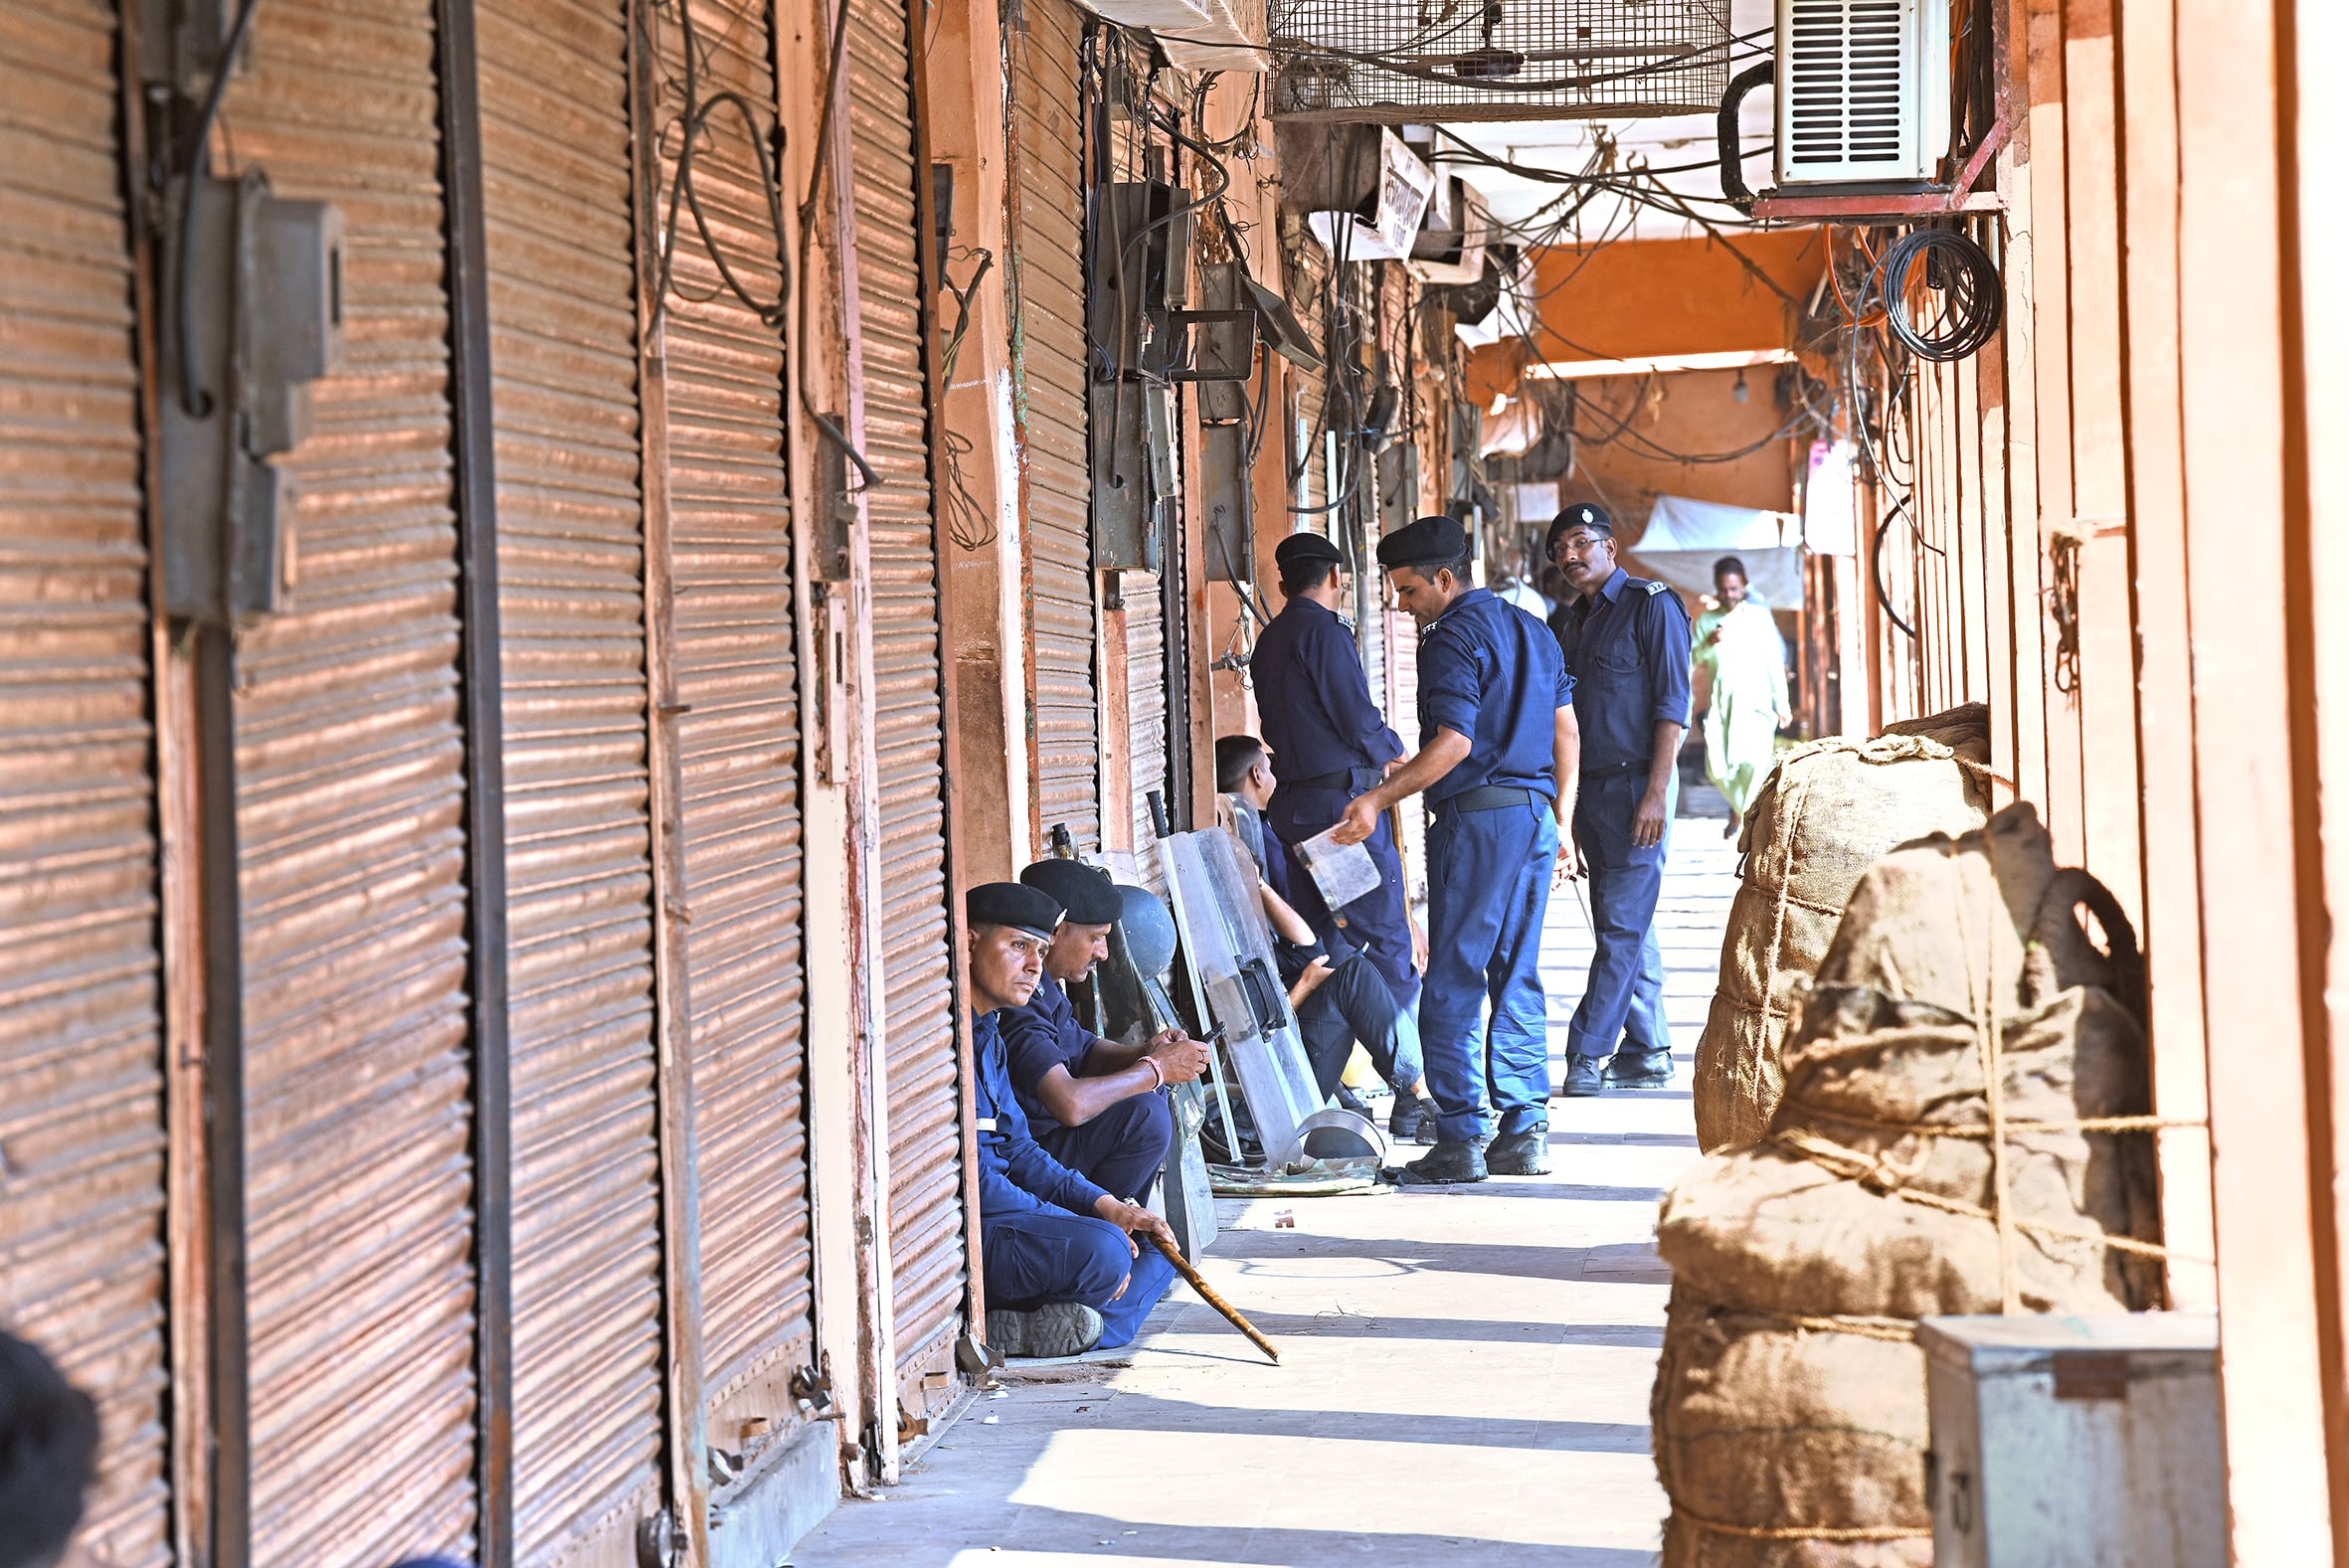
x,y
1650,589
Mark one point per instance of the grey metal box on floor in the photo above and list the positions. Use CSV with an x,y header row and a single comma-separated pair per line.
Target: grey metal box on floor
x,y
2075,1442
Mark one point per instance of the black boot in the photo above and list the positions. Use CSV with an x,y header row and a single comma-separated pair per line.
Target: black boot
x,y
1450,1162
1521,1153
1640,1070
1412,1120
1585,1075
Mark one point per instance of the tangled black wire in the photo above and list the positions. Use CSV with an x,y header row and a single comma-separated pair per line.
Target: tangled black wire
x,y
1971,299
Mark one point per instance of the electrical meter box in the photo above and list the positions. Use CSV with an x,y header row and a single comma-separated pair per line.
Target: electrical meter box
x,y
2075,1442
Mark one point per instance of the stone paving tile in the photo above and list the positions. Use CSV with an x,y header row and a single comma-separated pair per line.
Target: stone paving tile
x,y
1464,1375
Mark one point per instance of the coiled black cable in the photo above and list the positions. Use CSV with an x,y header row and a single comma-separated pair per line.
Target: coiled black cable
x,y
1972,298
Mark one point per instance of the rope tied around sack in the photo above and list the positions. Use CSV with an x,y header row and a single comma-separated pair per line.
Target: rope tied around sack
x,y
1882,1173
1805,1533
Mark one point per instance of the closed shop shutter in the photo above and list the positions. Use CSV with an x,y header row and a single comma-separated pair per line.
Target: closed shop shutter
x,y
736,662
587,1261
1401,695
1145,708
1047,236
926,1250
81,1033
350,763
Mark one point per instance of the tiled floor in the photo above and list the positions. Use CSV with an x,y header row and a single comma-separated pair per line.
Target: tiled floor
x,y
1464,1374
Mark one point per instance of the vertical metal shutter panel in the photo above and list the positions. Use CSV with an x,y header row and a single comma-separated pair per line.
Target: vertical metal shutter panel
x,y
81,1030
587,1260
1145,708
1401,692
1049,382
350,761
739,752
925,1151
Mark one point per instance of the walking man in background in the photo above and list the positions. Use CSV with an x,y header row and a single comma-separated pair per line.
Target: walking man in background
x,y
1625,641
1328,744
1737,644
1497,759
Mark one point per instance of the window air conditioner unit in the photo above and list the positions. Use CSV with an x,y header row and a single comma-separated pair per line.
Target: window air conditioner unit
x,y
1863,93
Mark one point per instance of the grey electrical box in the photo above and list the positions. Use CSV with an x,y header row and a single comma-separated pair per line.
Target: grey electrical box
x,y
2075,1442
1227,504
253,315
1133,473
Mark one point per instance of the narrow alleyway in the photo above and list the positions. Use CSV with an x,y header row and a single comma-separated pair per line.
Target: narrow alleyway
x,y
1465,1369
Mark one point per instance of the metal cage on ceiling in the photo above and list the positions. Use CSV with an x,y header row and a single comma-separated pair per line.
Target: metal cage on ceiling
x,y
1415,61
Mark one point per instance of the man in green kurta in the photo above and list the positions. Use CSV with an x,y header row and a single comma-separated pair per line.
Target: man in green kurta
x,y
1737,643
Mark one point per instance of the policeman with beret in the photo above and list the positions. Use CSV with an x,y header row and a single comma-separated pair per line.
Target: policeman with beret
x,y
1063,1273
1093,1104
1625,640
1498,756
1328,744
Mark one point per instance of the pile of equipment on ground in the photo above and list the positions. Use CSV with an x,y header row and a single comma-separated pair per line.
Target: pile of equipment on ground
x,y
1819,820
1963,1128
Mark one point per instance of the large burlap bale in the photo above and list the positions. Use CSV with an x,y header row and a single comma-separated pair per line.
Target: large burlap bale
x,y
1772,1422
1825,814
1788,1398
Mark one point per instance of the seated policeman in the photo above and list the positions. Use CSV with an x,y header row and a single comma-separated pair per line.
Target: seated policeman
x,y
1093,1104
1063,1273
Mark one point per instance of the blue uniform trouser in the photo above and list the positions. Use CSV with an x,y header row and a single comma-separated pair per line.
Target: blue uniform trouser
x,y
1377,922
1624,999
1488,888
1032,1260
1354,1003
1122,1149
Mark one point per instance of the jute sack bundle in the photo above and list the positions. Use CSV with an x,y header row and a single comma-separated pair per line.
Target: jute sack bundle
x,y
1896,1184
1824,815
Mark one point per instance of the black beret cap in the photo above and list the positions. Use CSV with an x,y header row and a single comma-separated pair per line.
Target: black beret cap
x,y
1305,547
1431,541
1580,515
1013,904
1085,893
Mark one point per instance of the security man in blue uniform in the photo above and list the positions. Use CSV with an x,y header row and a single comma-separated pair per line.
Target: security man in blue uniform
x,y
1328,744
1063,1273
1626,643
1498,756
1095,1106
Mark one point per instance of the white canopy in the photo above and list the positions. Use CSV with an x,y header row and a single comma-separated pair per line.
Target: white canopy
x,y
1686,537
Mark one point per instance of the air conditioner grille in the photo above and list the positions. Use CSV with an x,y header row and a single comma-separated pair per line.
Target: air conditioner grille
x,y
1857,93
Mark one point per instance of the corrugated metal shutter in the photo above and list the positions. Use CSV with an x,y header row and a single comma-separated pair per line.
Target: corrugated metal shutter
x,y
927,1254
1047,234
350,763
81,1031
1145,708
737,672
1401,695
587,1260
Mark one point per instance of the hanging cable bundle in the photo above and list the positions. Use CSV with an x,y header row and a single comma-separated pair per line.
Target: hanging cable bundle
x,y
1958,274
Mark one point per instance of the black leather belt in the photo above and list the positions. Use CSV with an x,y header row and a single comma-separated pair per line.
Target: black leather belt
x,y
1617,771
1487,797
1355,780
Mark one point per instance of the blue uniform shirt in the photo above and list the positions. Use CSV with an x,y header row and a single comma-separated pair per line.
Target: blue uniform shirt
x,y
1016,1175
1313,699
1038,1038
1627,648
1488,671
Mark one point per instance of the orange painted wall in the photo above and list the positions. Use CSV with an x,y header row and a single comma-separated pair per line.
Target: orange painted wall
x,y
1639,299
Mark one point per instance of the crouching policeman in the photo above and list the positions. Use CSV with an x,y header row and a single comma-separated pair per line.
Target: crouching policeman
x,y
1094,1105
1498,756
1063,1273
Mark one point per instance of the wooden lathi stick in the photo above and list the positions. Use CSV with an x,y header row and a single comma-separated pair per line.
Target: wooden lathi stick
x,y
1207,1293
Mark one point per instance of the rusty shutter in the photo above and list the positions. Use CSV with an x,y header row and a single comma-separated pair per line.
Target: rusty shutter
x,y
350,787
738,741
587,1260
81,1030
1048,360
926,1249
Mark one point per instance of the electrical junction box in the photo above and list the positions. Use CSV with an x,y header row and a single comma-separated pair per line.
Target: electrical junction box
x,y
1863,91
2075,1442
